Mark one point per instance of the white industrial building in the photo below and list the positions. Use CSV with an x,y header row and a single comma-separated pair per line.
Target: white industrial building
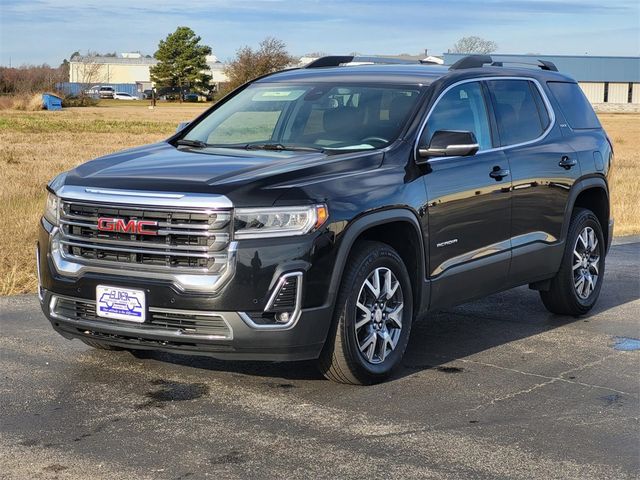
x,y
127,68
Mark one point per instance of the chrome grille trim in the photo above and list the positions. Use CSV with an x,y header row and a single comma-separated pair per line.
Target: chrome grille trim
x,y
179,324
192,246
90,245
170,200
223,242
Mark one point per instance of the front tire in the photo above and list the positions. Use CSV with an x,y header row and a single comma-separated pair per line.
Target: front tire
x,y
372,318
576,287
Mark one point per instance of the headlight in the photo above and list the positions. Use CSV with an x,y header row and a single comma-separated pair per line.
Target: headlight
x,y
52,208
278,222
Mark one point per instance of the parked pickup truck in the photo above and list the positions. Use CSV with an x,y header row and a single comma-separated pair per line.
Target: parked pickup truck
x,y
317,212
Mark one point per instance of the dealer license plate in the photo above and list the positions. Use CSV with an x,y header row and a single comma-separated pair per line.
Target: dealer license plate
x,y
120,303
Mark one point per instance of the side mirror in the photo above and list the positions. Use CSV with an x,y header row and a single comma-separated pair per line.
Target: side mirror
x,y
181,126
449,143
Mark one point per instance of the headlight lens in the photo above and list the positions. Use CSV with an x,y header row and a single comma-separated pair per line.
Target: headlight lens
x,y
278,222
52,208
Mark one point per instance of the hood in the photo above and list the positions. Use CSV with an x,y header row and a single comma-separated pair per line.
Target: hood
x,y
246,177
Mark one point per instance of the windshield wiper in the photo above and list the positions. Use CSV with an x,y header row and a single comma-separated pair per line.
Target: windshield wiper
x,y
192,143
281,147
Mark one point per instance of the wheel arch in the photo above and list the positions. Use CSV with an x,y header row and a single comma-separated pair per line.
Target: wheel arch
x,y
591,193
393,227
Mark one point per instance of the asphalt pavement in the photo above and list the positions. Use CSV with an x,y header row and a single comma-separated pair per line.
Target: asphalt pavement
x,y
497,388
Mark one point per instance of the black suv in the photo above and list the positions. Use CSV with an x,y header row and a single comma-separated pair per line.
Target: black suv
x,y
315,213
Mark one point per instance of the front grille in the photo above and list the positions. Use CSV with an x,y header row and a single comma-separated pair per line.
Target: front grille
x,y
175,322
187,241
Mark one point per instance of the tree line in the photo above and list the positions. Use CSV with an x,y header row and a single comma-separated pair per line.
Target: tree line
x,y
182,63
31,78
182,60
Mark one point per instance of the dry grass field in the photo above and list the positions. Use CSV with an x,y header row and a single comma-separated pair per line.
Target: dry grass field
x,y
35,146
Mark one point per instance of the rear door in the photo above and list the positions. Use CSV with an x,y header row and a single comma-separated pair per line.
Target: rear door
x,y
469,211
543,169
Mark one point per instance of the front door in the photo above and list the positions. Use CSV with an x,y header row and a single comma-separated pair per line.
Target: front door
x,y
469,204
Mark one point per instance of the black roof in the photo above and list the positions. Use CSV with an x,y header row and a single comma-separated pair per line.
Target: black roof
x,y
412,74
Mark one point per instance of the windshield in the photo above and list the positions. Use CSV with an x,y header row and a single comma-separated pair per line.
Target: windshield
x,y
322,117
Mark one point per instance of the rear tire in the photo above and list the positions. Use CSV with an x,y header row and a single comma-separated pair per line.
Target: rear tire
x,y
372,317
576,287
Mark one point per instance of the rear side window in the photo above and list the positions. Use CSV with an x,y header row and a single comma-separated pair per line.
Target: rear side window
x,y
574,105
520,112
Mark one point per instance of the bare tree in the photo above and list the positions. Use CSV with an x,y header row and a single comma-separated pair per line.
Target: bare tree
x,y
87,72
474,44
249,64
28,79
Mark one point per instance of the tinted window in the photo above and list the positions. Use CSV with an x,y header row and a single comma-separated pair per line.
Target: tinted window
x,y
461,108
517,112
574,105
334,117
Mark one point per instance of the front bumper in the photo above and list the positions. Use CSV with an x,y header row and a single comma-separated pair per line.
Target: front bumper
x,y
302,342
250,290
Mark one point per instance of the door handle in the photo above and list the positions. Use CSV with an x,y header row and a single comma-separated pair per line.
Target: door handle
x,y
566,162
499,173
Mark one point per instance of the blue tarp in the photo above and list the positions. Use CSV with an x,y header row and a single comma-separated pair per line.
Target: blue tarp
x,y
51,102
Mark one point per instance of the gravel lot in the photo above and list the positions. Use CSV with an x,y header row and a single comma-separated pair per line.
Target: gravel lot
x,y
497,388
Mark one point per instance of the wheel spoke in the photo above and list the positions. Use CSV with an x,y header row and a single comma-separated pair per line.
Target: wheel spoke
x,y
590,285
368,346
367,315
594,264
386,340
592,240
583,238
374,288
396,315
383,346
389,289
580,284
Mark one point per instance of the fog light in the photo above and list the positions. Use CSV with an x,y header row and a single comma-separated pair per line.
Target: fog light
x,y
282,317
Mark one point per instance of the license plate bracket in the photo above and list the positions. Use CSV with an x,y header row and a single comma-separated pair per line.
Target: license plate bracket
x,y
121,303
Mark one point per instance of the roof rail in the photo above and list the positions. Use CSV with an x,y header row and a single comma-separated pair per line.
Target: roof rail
x,y
479,61
471,61
339,60
330,61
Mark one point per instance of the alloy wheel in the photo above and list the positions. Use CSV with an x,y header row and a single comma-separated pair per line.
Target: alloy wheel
x,y
586,263
379,315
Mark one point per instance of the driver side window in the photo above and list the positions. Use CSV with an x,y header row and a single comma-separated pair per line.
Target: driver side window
x,y
461,108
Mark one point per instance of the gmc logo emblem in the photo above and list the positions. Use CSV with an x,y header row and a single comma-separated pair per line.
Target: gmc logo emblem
x,y
134,227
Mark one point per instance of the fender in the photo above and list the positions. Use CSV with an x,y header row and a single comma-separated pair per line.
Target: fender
x,y
578,187
356,227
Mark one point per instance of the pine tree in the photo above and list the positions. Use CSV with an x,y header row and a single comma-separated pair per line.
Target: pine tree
x,y
182,61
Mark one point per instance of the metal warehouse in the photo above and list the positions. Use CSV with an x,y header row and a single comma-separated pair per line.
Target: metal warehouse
x,y
606,81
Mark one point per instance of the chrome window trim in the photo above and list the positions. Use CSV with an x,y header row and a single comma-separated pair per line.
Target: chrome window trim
x,y
545,100
297,312
173,200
